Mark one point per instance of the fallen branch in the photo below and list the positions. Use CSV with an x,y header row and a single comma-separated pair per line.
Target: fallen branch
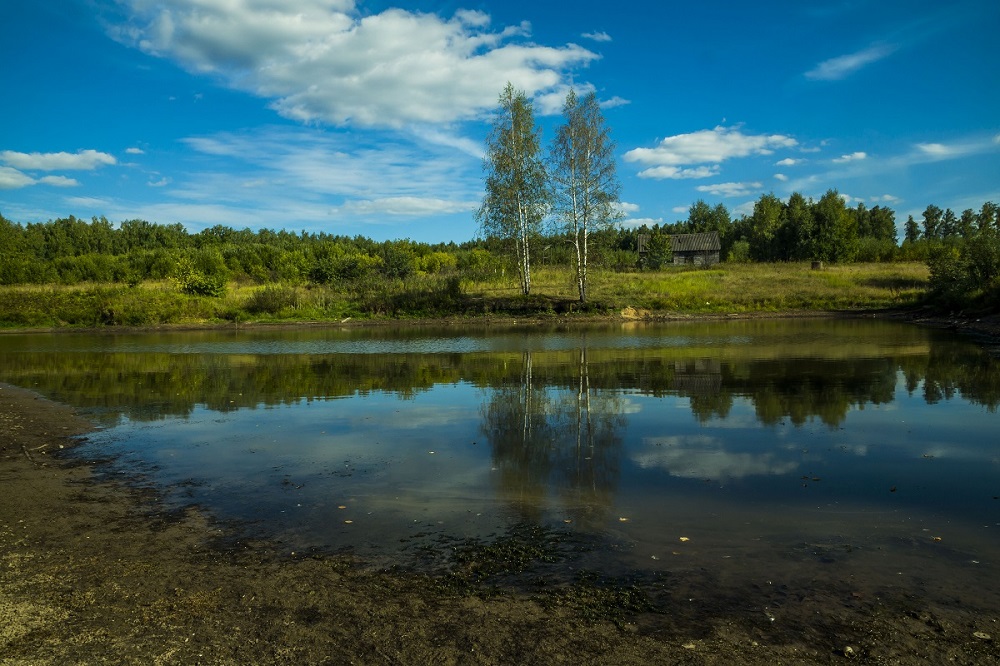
x,y
28,455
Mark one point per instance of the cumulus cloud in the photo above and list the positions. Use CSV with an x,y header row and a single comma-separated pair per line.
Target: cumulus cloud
x,y
12,179
84,160
780,176
843,66
853,157
59,181
705,147
730,189
677,173
788,161
597,36
614,102
135,151
326,61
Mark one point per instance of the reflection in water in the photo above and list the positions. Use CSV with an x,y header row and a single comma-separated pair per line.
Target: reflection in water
x,y
741,436
555,440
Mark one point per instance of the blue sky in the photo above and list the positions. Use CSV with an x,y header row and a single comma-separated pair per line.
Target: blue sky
x,y
368,117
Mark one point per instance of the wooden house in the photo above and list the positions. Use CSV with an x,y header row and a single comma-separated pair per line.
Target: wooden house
x,y
698,249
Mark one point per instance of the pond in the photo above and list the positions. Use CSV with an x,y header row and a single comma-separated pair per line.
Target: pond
x,y
765,450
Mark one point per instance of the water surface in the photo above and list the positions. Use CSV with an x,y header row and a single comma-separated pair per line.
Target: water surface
x,y
763,449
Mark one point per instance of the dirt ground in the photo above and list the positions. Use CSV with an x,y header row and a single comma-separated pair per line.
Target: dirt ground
x,y
91,572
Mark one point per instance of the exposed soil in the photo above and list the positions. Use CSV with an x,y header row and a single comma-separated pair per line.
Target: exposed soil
x,y
93,572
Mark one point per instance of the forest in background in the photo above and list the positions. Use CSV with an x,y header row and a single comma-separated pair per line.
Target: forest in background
x,y
962,252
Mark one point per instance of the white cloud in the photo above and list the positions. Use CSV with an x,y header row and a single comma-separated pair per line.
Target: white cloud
x,y
705,147
12,179
886,198
270,175
730,189
323,60
633,222
677,173
627,207
853,157
936,152
614,102
597,36
84,160
407,206
680,209
59,181
93,203
788,161
135,151
780,176
842,66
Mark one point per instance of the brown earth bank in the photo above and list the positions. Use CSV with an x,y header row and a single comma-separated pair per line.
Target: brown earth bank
x,y
93,572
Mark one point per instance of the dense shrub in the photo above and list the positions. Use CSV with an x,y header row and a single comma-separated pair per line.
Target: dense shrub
x,y
740,252
192,281
272,300
967,274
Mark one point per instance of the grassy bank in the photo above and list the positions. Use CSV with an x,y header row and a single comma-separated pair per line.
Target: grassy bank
x,y
729,288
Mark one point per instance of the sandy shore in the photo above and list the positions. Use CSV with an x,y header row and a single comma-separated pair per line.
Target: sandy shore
x,y
91,572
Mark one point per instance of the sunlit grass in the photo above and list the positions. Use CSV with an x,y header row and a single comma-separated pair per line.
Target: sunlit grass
x,y
729,288
737,288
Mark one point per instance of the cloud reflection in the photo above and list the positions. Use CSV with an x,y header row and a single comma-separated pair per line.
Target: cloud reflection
x,y
701,456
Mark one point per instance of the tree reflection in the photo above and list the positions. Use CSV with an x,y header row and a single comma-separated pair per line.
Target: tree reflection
x,y
559,439
822,383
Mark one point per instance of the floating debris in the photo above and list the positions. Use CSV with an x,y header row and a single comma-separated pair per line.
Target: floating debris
x,y
685,538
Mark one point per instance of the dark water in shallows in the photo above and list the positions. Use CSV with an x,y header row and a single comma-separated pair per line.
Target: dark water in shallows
x,y
860,448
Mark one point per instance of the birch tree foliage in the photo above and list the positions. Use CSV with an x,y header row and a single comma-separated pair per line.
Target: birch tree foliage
x,y
516,199
584,180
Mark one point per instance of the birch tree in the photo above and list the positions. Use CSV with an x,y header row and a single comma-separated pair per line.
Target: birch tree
x,y
584,180
516,199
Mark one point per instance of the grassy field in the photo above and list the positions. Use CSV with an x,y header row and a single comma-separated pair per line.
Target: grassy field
x,y
728,288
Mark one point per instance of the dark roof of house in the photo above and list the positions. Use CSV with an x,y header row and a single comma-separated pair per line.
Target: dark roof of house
x,y
706,242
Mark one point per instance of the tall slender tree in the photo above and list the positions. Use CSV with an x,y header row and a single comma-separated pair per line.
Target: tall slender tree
x,y
584,181
516,198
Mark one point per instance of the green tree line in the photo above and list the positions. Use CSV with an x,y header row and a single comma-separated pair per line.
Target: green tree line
x,y
963,250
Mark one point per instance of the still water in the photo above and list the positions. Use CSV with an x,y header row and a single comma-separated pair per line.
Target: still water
x,y
750,448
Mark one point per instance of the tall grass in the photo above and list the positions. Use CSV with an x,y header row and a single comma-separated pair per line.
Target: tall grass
x,y
729,288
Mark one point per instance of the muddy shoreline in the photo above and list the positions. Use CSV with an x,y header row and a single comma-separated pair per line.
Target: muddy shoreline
x,y
93,572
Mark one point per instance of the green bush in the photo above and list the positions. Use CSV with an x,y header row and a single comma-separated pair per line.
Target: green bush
x,y
272,300
192,281
739,253
871,250
966,274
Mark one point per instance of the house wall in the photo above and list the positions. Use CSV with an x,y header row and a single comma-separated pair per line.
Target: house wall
x,y
696,258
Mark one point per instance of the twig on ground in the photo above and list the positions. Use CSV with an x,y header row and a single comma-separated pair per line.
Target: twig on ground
x,y
28,455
